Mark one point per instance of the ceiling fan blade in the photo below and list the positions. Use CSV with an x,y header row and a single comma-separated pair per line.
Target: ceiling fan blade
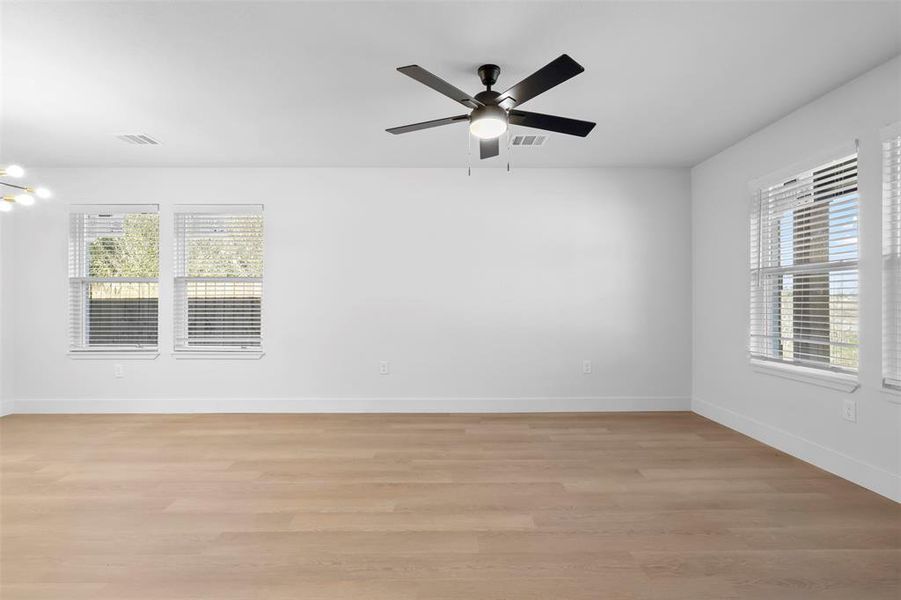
x,y
553,73
489,148
427,124
439,85
551,123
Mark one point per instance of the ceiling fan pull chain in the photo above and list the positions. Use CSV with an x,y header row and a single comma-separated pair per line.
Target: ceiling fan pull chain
x,y
509,151
468,154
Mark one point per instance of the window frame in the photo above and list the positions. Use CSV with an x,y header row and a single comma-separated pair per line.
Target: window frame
x,y
890,153
79,276
764,251
181,279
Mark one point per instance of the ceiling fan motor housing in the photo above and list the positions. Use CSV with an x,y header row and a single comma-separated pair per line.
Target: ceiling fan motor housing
x,y
488,97
489,74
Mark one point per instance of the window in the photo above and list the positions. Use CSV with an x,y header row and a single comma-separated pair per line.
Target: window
x,y
891,251
113,278
218,278
804,253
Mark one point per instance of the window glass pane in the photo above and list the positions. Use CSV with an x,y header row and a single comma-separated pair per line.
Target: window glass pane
x,y
225,245
219,272
122,314
224,313
113,285
804,252
123,245
891,255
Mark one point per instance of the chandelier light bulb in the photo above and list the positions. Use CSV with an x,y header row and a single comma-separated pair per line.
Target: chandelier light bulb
x,y
14,171
25,199
43,193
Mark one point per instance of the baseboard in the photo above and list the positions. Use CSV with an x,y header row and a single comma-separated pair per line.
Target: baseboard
x,y
6,407
863,474
350,405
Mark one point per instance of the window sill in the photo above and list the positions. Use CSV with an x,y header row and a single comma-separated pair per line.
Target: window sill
x,y
827,379
218,354
113,355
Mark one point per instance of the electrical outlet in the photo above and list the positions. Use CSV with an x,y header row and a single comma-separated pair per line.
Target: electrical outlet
x,y
384,367
118,370
849,410
586,367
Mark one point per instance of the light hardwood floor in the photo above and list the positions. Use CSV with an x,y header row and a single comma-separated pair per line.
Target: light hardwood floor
x,y
407,507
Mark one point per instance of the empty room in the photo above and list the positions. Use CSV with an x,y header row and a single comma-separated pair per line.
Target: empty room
x,y
444,300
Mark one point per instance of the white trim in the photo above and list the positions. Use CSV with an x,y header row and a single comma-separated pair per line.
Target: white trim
x,y
842,382
7,407
218,354
863,474
113,355
350,405
105,209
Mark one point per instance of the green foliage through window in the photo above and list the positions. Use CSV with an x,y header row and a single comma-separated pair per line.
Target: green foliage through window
x,y
226,246
130,249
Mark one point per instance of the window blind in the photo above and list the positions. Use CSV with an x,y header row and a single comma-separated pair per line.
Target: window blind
x,y
218,278
804,273
891,246
113,277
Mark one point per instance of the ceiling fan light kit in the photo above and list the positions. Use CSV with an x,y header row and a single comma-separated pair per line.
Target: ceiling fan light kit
x,y
491,112
488,122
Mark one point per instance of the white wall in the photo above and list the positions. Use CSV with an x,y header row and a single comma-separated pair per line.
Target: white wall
x,y
798,417
5,371
491,288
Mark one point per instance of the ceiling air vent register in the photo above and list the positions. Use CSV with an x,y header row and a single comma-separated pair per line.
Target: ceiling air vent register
x,y
138,139
528,140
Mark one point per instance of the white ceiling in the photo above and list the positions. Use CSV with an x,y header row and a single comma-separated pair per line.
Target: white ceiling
x,y
313,83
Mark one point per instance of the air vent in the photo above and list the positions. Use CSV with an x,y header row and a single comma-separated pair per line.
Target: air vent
x,y
138,138
529,140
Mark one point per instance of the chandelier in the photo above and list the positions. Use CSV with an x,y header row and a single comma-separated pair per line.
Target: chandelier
x,y
24,194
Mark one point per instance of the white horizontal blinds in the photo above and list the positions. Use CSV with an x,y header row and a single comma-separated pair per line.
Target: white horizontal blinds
x,y
113,277
804,276
891,237
219,277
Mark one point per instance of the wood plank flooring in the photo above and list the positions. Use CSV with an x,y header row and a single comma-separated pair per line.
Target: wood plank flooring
x,y
428,507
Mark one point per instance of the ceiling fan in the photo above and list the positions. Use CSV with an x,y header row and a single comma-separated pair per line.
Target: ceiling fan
x,y
493,111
